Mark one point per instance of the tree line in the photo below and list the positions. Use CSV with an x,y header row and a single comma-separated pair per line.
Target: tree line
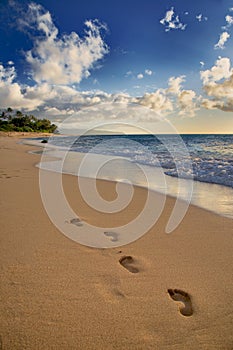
x,y
11,120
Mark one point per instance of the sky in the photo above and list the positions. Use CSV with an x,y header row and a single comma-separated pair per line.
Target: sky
x,y
83,62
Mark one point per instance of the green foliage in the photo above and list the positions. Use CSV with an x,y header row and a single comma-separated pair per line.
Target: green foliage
x,y
24,123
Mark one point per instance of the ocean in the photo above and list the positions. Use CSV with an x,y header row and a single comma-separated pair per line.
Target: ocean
x,y
203,164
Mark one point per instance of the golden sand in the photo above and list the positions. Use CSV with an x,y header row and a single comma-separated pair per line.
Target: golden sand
x,y
159,292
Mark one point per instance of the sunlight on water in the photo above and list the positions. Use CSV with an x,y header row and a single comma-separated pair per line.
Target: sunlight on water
x,y
212,197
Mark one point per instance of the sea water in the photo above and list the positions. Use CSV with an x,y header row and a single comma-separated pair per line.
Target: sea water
x,y
174,164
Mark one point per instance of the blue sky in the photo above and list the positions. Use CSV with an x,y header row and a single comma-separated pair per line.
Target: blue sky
x,y
68,58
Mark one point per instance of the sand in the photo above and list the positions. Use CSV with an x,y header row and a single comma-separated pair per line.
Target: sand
x,y
160,292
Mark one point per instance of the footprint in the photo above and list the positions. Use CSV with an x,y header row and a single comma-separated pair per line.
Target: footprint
x,y
112,235
181,296
127,262
75,221
118,293
109,288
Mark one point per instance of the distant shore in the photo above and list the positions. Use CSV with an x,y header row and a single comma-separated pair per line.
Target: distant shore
x,y
26,134
159,292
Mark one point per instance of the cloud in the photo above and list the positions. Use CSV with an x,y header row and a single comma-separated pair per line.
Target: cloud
x,y
168,16
128,74
95,82
139,75
175,84
172,21
148,72
112,112
11,93
59,101
173,99
41,96
53,111
224,36
187,103
59,61
229,20
222,40
200,18
221,70
64,59
7,75
158,101
218,86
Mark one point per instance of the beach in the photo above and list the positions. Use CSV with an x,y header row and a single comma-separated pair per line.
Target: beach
x,y
163,291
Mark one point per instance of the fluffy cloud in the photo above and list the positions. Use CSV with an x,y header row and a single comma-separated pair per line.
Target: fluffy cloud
x,y
56,62
53,111
66,59
140,76
229,20
218,85
173,99
221,70
158,101
11,93
185,99
55,97
60,101
187,103
222,40
55,101
175,84
168,16
148,72
172,21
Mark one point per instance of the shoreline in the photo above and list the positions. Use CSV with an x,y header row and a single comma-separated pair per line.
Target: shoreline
x,y
18,134
58,293
212,197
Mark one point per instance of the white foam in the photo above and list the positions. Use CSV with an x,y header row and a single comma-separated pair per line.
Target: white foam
x,y
213,197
